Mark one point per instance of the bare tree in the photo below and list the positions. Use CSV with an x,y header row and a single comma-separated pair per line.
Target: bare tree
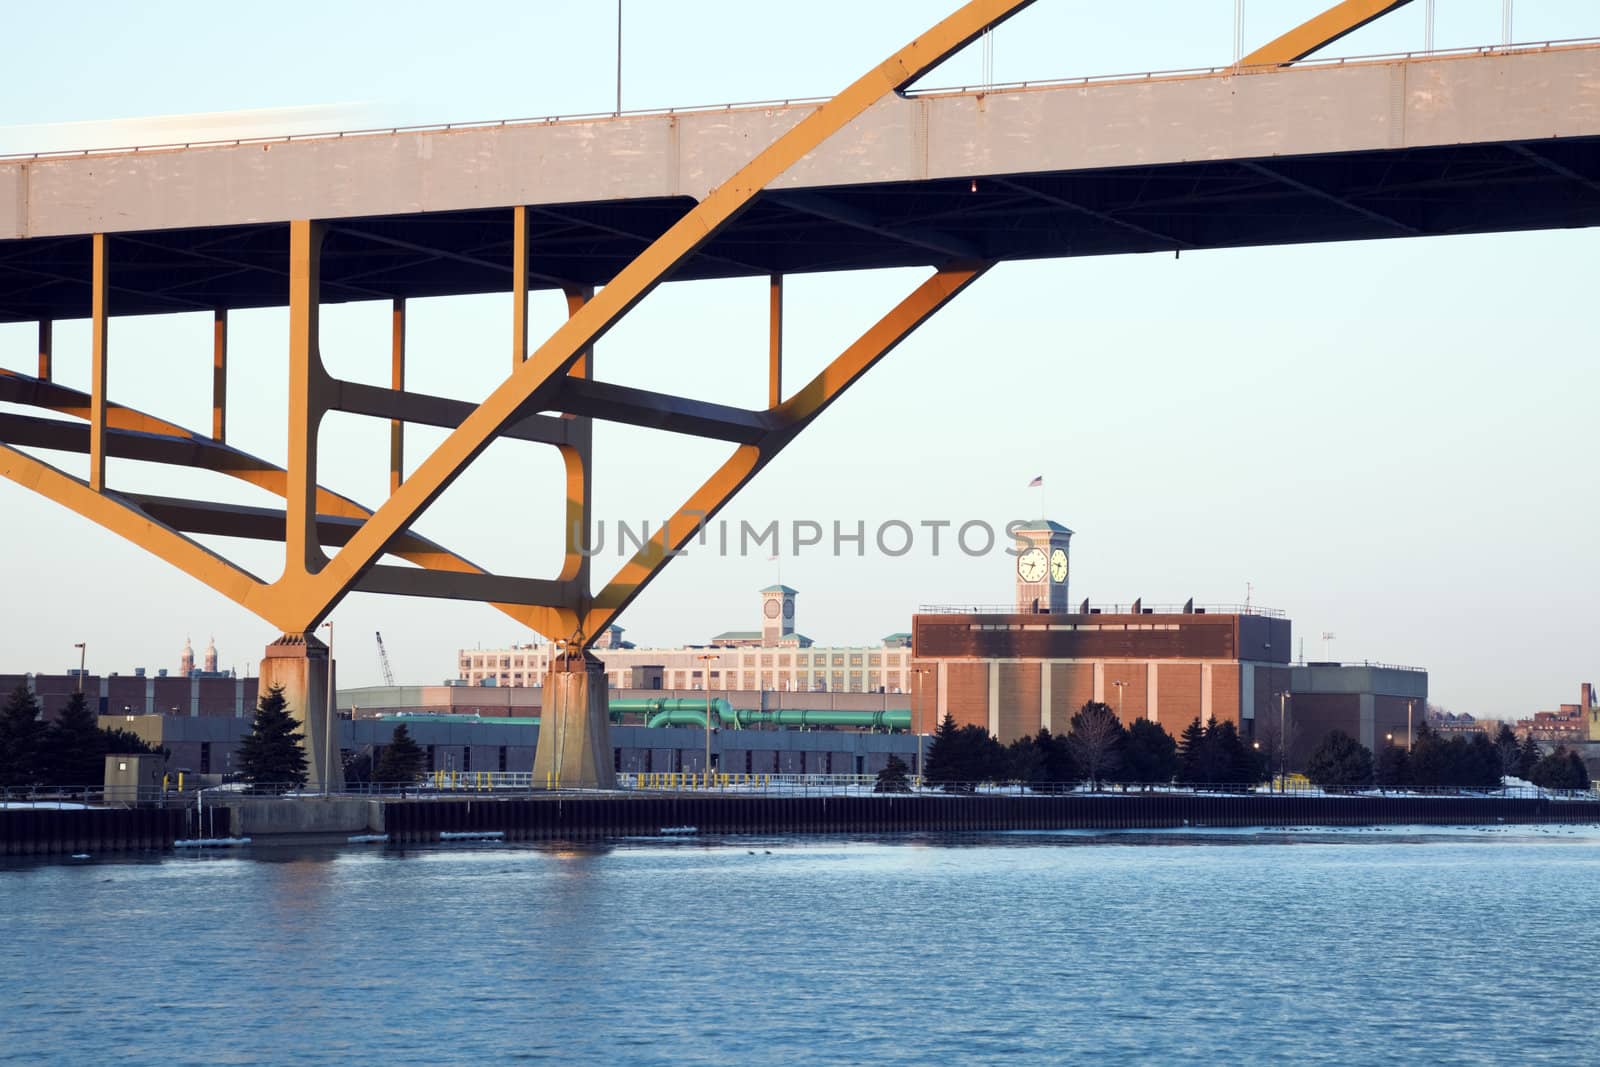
x,y
1096,742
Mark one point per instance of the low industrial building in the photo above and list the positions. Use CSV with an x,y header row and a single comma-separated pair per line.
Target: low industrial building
x,y
464,744
775,657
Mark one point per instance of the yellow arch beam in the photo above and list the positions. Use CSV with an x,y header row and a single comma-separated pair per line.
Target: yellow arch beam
x,y
1319,32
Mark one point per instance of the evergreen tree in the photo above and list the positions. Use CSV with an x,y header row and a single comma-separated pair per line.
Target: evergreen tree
x,y
1058,769
892,779
20,735
1482,763
1561,769
1023,759
271,754
943,766
962,756
1580,772
125,742
73,751
1393,768
1043,762
1340,763
1192,754
1431,761
1509,750
1149,754
402,758
1528,758
1096,742
1238,764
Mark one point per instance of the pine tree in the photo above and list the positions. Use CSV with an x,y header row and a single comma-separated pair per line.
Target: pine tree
x,y
1149,754
1529,757
1509,749
20,732
944,758
1058,770
73,750
1580,772
892,779
1431,761
1482,764
1340,763
402,758
1023,760
1392,769
271,754
1192,753
1238,764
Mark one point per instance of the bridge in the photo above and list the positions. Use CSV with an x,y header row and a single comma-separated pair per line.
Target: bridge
x,y
1276,149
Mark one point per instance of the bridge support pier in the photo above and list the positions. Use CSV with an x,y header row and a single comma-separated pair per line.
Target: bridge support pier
x,y
575,726
299,663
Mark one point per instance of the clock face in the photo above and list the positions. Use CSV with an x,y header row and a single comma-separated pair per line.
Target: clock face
x,y
772,609
1031,565
1058,566
788,609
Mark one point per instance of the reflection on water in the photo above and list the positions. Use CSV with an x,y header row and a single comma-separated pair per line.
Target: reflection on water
x,y
1413,946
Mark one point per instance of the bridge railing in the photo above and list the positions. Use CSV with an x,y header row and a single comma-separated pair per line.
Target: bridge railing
x,y
1011,86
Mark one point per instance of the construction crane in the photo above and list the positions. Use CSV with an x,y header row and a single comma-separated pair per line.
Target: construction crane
x,y
383,660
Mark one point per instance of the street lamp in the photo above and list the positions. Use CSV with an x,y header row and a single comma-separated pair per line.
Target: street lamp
x,y
1119,686
327,733
1409,735
921,702
1283,744
82,657
705,674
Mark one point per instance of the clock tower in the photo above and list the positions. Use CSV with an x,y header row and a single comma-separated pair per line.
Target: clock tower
x,y
777,613
1042,570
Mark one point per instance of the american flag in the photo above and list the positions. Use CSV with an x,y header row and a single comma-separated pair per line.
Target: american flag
x,y
1037,482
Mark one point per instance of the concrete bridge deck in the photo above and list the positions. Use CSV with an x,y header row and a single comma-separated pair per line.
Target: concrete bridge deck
x,y
1505,139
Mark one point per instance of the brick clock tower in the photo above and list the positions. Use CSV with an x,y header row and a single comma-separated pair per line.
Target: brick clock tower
x,y
777,614
1042,567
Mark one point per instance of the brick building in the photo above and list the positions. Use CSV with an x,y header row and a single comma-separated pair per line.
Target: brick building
x,y
1034,663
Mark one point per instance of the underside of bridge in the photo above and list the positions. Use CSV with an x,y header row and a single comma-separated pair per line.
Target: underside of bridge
x,y
605,256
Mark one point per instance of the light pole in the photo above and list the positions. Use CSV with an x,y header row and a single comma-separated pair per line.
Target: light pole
x,y
1283,744
706,677
1409,705
921,702
83,656
1119,686
327,733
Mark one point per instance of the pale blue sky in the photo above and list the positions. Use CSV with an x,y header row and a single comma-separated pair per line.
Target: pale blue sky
x,y
1392,441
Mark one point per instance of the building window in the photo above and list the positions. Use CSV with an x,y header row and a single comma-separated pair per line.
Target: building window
x,y
502,759
466,758
205,757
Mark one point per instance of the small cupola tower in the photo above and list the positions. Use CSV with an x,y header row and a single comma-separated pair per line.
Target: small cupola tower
x,y
777,613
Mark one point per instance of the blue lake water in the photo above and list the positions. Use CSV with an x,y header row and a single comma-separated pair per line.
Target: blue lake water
x,y
1252,948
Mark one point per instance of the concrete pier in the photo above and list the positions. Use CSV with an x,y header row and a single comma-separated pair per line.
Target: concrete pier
x,y
575,732
299,663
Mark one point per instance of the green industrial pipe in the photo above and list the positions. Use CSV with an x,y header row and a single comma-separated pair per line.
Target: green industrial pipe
x,y
655,707
891,719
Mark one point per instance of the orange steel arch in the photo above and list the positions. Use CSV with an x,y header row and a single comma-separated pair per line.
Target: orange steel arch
x,y
556,376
